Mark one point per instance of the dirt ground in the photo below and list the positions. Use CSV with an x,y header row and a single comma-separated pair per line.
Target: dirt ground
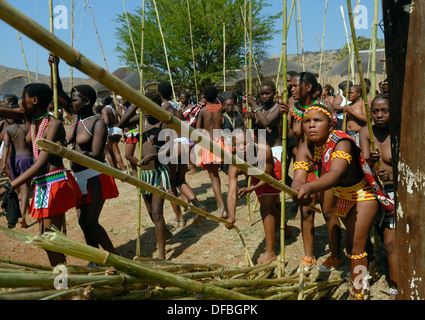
x,y
208,241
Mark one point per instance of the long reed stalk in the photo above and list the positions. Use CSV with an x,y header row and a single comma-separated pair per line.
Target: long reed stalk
x,y
71,69
344,123
165,49
373,94
301,35
373,48
100,46
98,36
244,15
281,54
249,107
139,171
323,42
131,38
360,69
23,55
54,71
296,37
281,269
224,56
193,50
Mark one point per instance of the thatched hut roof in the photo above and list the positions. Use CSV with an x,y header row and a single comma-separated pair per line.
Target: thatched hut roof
x,y
121,73
235,80
16,84
341,69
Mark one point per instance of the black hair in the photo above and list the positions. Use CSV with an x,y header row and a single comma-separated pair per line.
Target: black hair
x,y
227,95
154,96
210,93
40,90
291,73
342,85
309,78
366,80
107,99
319,88
381,96
98,108
11,98
86,92
358,88
186,94
165,89
330,89
270,84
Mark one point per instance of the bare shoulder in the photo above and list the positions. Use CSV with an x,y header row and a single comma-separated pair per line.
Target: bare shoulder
x,y
344,145
364,132
167,106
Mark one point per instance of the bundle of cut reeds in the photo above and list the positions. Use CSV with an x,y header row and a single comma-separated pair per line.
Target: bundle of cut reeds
x,y
120,278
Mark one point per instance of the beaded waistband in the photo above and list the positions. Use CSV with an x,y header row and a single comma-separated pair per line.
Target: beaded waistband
x,y
54,176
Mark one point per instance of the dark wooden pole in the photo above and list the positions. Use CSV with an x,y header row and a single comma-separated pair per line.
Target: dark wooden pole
x,y
410,172
396,28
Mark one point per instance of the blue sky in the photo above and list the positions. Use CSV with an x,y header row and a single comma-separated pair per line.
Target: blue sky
x,y
104,11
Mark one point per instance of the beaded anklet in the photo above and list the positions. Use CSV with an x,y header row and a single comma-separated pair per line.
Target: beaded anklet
x,y
356,256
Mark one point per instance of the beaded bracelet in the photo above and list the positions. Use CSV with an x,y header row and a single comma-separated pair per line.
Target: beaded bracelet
x,y
342,155
393,291
7,186
302,165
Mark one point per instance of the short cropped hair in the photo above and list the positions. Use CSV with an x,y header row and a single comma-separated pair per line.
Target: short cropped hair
x,y
210,93
165,89
40,90
107,99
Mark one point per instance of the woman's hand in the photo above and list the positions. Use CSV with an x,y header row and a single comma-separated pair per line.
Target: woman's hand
x,y
384,175
242,192
145,160
283,106
251,101
304,195
374,155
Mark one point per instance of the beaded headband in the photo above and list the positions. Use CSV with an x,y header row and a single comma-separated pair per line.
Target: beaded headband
x,y
230,99
81,95
318,108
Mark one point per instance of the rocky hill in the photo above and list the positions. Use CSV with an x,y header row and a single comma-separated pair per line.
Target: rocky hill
x,y
312,60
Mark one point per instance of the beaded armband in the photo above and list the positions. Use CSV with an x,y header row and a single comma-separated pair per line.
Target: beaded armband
x,y
301,165
342,155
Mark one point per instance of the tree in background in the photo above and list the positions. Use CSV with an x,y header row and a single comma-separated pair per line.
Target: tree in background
x,y
207,18
363,43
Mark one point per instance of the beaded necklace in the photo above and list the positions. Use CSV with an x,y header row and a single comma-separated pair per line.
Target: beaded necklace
x,y
40,133
298,110
318,151
84,125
